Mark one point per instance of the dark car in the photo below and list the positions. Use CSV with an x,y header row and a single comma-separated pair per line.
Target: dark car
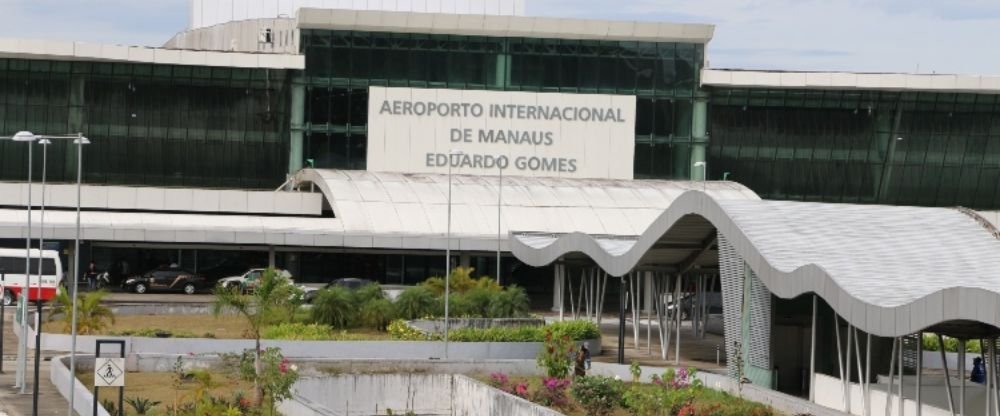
x,y
350,283
167,279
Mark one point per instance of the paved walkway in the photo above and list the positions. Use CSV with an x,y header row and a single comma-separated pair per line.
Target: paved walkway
x,y
695,352
50,402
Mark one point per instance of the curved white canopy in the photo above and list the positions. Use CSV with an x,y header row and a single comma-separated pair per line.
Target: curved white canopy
x,y
888,270
412,208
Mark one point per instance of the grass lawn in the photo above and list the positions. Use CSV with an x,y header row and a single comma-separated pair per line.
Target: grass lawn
x,y
160,387
223,326
207,326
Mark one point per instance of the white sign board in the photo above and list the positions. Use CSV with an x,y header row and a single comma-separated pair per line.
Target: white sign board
x,y
526,134
109,372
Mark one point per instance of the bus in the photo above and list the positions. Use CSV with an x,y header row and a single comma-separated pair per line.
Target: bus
x,y
12,277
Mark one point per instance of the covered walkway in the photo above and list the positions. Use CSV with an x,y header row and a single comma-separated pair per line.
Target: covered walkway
x,y
838,289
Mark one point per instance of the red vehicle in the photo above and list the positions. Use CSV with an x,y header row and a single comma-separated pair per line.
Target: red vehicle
x,y
13,278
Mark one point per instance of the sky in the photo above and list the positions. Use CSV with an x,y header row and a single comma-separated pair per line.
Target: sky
x,y
925,36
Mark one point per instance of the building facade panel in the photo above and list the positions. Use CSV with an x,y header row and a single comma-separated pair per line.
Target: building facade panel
x,y
341,65
154,125
901,148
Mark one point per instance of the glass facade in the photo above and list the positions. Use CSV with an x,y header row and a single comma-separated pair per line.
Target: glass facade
x,y
341,65
155,125
911,148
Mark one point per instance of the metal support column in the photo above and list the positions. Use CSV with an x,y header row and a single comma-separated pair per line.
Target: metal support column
x,y
621,320
947,375
840,355
677,307
892,374
899,391
297,127
868,375
920,370
847,367
699,137
961,376
812,355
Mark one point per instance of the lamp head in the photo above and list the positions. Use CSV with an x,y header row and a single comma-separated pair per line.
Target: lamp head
x,y
24,136
81,140
44,141
699,164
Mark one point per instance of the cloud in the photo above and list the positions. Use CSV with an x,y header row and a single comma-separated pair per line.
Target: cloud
x,y
955,36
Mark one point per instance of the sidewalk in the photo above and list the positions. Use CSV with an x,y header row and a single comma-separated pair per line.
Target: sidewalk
x,y
50,402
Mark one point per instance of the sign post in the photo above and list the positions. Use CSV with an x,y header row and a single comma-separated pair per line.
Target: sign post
x,y
110,372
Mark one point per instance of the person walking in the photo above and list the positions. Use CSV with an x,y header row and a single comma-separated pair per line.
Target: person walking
x,y
978,371
580,366
91,275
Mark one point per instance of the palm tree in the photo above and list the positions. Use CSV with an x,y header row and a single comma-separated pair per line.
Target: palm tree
x,y
91,315
271,302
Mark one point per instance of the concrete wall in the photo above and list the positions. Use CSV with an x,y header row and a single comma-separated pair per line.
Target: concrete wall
x,y
932,359
345,350
424,394
166,199
398,350
60,376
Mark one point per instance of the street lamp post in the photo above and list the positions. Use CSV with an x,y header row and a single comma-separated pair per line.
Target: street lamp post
x,y
79,141
45,140
22,347
38,293
447,255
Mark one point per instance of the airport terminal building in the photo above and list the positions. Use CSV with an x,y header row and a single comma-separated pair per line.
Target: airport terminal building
x,y
335,142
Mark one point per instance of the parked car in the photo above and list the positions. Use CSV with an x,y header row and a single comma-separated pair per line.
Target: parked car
x,y
170,279
250,279
350,283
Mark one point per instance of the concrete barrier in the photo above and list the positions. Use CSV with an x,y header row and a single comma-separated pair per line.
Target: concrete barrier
x,y
415,350
64,382
423,394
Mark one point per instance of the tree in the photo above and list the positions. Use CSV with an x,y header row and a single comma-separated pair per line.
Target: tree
x,y
91,315
270,303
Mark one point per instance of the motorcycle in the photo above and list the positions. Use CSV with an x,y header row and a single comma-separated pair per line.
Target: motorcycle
x,y
103,280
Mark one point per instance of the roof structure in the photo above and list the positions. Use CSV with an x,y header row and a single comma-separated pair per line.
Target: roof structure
x,y
502,26
410,210
369,210
889,270
83,51
851,81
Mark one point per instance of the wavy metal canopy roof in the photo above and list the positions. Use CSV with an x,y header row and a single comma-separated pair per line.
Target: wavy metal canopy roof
x,y
410,210
889,270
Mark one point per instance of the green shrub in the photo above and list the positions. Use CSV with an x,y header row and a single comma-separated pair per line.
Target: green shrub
x,y
497,334
931,343
299,332
513,302
597,395
366,294
479,299
376,313
556,356
153,333
334,306
459,306
416,302
399,330
576,330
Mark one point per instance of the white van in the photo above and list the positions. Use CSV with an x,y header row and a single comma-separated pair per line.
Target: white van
x,y
12,277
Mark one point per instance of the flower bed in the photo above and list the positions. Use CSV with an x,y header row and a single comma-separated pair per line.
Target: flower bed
x,y
673,393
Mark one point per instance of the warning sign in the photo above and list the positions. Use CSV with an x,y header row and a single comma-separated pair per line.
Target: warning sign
x,y
109,372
